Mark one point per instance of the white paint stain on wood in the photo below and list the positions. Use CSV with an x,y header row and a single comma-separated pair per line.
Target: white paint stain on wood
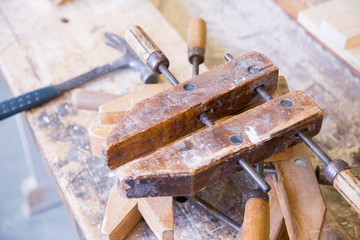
x,y
253,135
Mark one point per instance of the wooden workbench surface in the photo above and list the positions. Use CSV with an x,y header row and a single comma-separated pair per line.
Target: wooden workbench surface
x,y
38,47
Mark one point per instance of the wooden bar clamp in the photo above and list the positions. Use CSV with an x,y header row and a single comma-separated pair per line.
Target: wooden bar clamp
x,y
171,114
208,156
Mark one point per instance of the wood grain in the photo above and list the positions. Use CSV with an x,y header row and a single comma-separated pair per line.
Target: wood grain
x,y
299,195
171,114
256,225
121,216
344,28
158,214
312,18
347,183
113,111
33,56
90,100
277,224
206,157
196,34
141,43
97,135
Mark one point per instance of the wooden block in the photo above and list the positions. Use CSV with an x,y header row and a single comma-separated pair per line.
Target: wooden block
x,y
171,114
344,28
113,111
312,18
206,157
158,214
121,216
97,136
299,195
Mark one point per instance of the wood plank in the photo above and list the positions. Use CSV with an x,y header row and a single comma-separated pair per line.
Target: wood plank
x,y
171,114
121,216
158,214
206,157
344,28
312,18
299,195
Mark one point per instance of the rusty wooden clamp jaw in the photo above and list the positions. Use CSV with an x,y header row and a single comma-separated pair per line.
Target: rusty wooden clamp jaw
x,y
162,147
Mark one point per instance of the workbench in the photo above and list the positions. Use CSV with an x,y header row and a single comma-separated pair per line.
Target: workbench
x,y
43,44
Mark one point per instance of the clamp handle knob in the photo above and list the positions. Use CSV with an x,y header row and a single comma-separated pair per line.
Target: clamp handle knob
x,y
146,49
345,180
256,224
196,39
347,183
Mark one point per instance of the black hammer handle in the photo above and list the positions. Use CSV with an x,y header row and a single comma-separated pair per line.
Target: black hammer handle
x,y
27,101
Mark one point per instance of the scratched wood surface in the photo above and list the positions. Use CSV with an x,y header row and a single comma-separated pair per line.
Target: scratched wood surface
x,y
172,114
263,26
62,50
206,157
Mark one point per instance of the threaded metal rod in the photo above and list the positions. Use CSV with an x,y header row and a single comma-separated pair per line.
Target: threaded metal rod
x,y
206,206
314,147
254,175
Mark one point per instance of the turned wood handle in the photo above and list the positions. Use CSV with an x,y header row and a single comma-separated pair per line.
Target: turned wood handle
x,y
347,183
256,225
147,50
196,39
90,100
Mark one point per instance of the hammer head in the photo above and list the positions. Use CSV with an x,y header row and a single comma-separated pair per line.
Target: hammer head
x,y
130,58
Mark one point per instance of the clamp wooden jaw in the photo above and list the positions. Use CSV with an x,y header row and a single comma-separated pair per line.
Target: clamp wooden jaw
x,y
161,153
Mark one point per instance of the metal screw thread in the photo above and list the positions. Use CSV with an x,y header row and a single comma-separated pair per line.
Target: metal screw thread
x,y
215,212
254,175
314,147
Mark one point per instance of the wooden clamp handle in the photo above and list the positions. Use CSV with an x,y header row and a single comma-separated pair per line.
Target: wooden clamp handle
x,y
147,50
345,181
256,225
90,100
196,39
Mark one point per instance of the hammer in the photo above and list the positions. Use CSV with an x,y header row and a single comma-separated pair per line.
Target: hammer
x,y
35,98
